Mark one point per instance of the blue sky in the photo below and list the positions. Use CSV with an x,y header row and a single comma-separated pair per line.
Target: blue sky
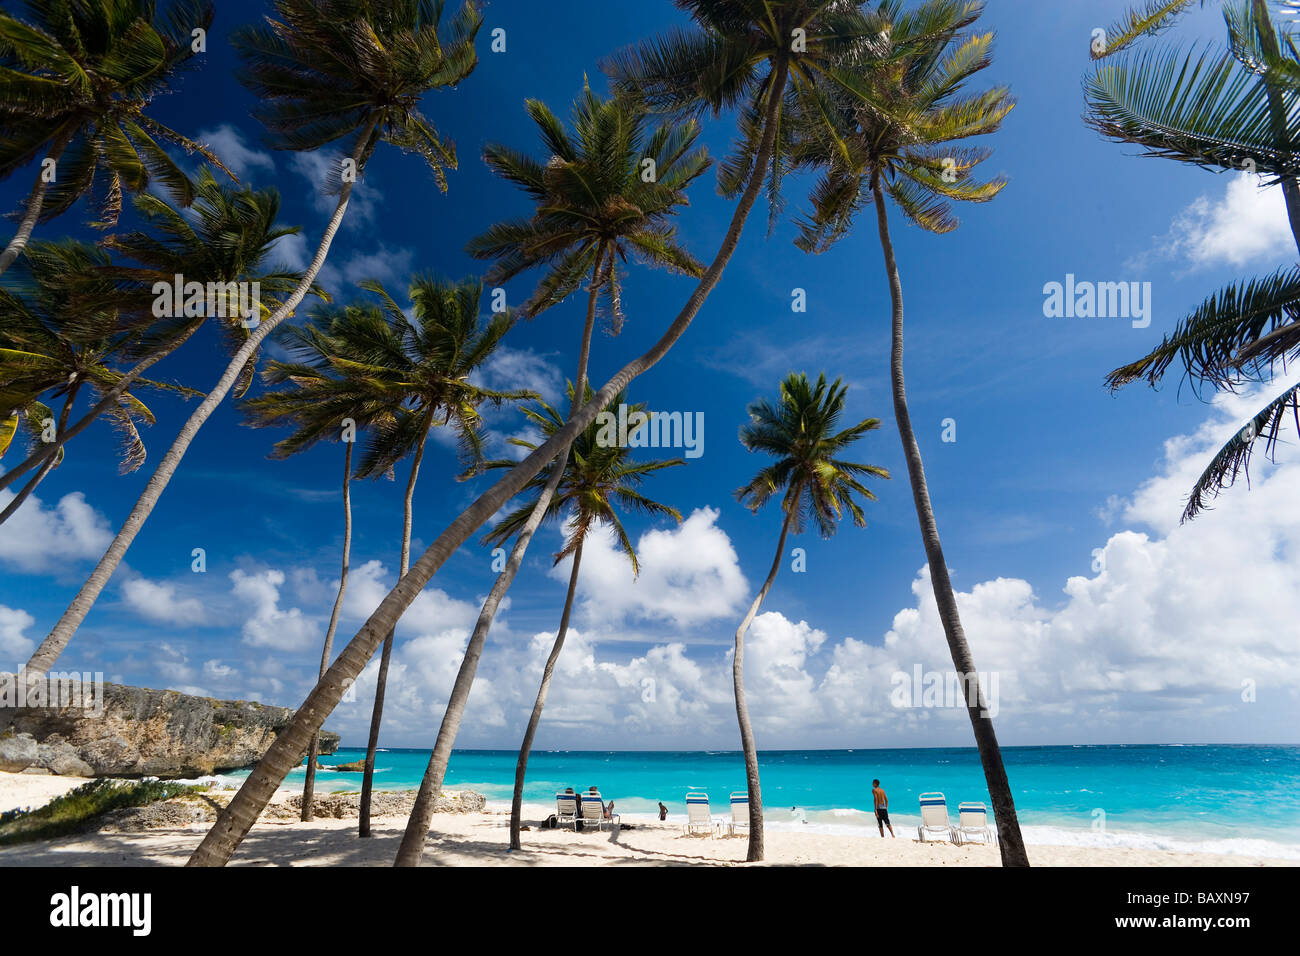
x,y
1049,475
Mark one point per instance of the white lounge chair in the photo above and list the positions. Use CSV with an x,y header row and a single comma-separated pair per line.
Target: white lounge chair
x,y
934,819
566,809
739,812
698,818
593,812
973,825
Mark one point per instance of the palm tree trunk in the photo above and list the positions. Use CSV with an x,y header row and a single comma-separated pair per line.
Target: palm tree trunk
x,y
755,853
535,718
45,452
1277,109
309,784
377,715
28,488
67,625
417,825
234,822
35,199
995,775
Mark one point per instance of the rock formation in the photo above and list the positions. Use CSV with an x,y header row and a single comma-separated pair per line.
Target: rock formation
x,y
143,732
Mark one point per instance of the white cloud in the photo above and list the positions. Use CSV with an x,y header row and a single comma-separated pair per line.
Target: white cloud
x,y
14,644
38,539
320,169
172,663
387,265
1248,224
267,625
215,670
158,602
229,145
291,252
689,574
522,369
1154,646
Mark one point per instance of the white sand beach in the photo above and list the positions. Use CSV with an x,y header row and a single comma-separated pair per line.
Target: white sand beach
x,y
482,839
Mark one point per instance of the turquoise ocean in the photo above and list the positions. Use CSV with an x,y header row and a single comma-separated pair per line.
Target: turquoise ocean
x,y
1237,799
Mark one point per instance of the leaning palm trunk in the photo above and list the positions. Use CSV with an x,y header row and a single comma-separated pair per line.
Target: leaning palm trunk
x,y
995,774
417,825
26,490
309,784
67,625
535,718
755,854
46,452
234,822
377,714
32,212
49,462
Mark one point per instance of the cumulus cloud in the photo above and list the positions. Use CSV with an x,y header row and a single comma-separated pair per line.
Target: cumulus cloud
x,y
173,664
320,169
1160,643
1247,224
38,539
158,602
233,150
215,670
1182,632
14,644
689,574
267,624
387,265
524,369
432,611
290,251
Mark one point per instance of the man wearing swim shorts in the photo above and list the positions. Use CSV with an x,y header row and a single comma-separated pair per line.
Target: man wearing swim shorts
x,y
882,809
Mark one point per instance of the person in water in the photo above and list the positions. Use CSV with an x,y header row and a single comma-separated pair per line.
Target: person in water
x,y
663,811
882,809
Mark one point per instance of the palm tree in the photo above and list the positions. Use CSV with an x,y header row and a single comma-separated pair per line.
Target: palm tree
x,y
735,53
887,125
410,376
598,478
799,429
1227,112
75,82
227,235
330,70
1235,337
594,209
599,201
319,403
63,333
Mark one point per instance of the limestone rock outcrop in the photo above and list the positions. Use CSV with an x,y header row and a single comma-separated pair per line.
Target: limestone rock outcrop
x,y
141,732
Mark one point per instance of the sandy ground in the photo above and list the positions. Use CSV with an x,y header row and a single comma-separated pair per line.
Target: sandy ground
x,y
22,790
476,839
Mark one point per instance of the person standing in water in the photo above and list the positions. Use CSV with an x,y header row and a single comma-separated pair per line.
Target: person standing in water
x,y
663,811
882,809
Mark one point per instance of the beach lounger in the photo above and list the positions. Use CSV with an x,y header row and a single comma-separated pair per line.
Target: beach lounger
x,y
934,819
739,812
698,819
593,813
566,809
973,825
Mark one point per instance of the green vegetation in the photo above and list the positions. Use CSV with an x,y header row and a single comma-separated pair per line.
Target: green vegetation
x,y
76,809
